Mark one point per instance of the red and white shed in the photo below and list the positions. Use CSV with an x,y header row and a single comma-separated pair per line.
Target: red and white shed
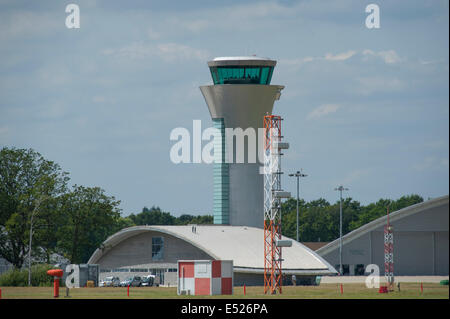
x,y
205,277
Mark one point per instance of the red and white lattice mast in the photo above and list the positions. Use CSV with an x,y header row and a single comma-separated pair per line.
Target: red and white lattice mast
x,y
272,204
389,253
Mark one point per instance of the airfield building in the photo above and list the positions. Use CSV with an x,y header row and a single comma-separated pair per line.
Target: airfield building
x,y
239,98
141,250
420,242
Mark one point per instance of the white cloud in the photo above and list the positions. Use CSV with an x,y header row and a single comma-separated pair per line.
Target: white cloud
x,y
327,57
431,62
165,51
389,57
323,110
369,85
174,51
297,62
341,56
152,34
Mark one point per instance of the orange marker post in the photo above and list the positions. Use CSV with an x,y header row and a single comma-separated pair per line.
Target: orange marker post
x,y
56,273
56,287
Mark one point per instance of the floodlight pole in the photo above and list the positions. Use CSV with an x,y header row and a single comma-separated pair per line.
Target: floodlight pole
x,y
340,189
298,174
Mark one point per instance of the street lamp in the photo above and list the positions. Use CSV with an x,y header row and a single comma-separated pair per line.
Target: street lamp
x,y
340,189
39,201
298,174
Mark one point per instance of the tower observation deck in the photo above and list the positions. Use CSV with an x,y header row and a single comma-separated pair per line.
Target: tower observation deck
x,y
239,99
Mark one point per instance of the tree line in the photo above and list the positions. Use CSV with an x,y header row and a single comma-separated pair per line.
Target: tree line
x,y
74,221
319,220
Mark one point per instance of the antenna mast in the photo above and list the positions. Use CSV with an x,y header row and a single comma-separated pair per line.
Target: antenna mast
x,y
272,204
389,253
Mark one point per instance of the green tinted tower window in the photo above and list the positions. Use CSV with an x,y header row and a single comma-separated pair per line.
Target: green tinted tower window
x,y
221,175
241,74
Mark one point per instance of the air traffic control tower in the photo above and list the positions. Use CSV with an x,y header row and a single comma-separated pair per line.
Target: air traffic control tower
x,y
240,97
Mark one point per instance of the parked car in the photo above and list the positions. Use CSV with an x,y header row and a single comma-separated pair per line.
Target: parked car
x,y
110,282
148,281
135,281
114,282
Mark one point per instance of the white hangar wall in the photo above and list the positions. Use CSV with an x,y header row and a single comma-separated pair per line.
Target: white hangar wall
x,y
421,242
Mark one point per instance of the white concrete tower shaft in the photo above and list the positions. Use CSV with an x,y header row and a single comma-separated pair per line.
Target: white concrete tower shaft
x,y
240,98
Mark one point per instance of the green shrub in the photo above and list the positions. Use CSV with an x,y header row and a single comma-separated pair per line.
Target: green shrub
x,y
19,277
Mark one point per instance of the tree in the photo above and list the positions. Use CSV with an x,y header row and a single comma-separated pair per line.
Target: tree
x,y
45,229
378,209
90,217
155,216
319,220
200,219
184,219
25,178
152,216
122,222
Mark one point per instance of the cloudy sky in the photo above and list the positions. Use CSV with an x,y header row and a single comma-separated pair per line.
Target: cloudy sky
x,y
366,108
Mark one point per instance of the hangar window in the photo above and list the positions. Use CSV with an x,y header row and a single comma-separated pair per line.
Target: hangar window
x,y
345,269
139,270
157,248
121,270
359,270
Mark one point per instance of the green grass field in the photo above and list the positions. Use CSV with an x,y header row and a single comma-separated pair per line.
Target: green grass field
x,y
324,291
